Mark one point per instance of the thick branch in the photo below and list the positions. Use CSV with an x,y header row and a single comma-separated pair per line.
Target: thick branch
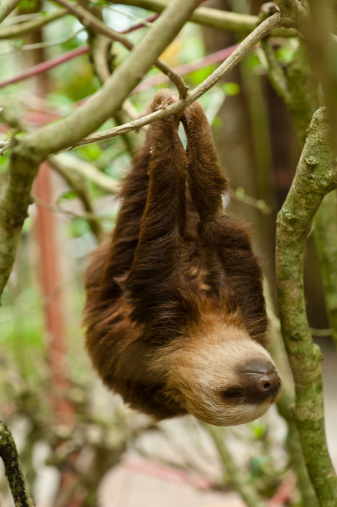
x,y
10,32
95,24
316,175
14,472
6,7
246,45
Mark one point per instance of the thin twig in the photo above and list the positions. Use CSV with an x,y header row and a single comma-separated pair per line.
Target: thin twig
x,y
187,68
86,170
39,45
235,475
10,32
245,47
147,22
140,23
45,66
21,18
93,23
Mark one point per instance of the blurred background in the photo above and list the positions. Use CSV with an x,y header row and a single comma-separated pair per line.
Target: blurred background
x,y
79,444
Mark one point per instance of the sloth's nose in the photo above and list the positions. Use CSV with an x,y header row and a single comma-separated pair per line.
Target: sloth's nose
x,y
268,384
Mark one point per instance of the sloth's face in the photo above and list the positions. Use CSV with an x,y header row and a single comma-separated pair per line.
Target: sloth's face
x,y
223,378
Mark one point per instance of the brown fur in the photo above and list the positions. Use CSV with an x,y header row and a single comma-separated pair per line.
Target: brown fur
x,y
174,304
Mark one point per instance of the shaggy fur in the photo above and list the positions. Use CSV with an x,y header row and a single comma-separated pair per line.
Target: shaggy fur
x,y
175,313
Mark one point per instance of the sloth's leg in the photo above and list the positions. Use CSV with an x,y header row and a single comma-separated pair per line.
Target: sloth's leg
x,y
155,277
207,184
233,271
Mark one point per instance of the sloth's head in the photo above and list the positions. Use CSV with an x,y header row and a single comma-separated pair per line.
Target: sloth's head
x,y
222,377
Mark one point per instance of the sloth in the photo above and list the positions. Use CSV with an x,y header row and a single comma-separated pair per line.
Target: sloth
x,y
175,315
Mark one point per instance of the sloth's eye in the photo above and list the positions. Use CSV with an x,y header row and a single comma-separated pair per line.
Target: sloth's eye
x,y
233,393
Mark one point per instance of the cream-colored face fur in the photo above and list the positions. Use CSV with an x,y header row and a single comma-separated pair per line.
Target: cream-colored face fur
x,y
204,367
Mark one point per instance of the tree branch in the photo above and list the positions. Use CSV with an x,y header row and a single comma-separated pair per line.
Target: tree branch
x,y
215,18
14,472
10,32
177,108
316,175
6,7
95,24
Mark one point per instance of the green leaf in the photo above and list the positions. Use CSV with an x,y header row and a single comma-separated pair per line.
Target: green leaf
x,y
231,88
285,54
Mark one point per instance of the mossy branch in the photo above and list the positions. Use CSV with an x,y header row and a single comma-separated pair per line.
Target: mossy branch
x,y
14,472
316,176
285,405
296,87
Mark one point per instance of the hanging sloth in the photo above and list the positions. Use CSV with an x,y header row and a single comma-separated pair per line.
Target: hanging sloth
x,y
175,314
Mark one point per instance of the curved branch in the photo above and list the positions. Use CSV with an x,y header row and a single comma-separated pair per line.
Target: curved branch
x,y
95,24
178,107
14,472
316,175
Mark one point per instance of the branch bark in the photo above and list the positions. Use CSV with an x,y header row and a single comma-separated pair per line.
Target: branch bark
x,y
14,472
316,175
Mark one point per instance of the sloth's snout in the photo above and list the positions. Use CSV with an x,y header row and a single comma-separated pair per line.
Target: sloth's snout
x,y
260,380
268,384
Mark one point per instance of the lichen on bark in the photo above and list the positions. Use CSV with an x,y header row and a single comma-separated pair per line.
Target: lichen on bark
x,y
316,175
14,473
